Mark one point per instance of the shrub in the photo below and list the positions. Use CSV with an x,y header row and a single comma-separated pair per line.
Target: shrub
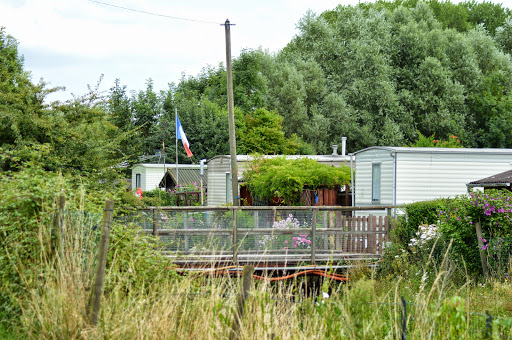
x,y
281,177
455,221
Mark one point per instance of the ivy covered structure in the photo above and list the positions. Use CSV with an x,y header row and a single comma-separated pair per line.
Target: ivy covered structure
x,y
279,186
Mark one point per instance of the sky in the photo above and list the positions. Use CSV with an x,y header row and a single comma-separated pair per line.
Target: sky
x,y
72,43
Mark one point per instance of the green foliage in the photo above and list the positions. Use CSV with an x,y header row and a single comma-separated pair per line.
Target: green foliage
x,y
416,214
76,136
452,315
27,203
278,177
29,240
431,142
455,220
135,261
157,197
263,134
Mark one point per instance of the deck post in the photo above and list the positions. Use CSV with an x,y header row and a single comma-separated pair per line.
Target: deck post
x,y
313,235
235,236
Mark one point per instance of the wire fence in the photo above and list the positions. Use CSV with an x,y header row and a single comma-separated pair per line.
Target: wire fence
x,y
266,234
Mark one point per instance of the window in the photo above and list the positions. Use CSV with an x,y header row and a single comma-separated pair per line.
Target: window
x,y
138,183
376,183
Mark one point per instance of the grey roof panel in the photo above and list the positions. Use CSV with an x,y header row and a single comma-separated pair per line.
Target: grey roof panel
x,y
502,177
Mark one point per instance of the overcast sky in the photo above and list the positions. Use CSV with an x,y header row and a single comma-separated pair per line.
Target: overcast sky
x,y
72,43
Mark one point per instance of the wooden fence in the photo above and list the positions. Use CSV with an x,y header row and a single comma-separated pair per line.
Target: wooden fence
x,y
274,235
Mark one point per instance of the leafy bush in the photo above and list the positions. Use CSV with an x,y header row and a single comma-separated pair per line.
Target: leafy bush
x,y
280,177
157,197
29,240
416,214
430,142
455,220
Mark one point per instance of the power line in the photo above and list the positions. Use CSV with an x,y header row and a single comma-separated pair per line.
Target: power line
x,y
155,14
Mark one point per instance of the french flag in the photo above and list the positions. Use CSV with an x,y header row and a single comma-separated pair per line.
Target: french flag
x,y
181,135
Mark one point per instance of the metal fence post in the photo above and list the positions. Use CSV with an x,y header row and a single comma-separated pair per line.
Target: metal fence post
x,y
155,226
313,235
235,236
185,226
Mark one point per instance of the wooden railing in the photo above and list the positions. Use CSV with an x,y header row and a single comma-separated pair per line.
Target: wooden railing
x,y
269,234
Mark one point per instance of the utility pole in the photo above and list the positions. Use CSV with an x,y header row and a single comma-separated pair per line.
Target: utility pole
x,y
231,118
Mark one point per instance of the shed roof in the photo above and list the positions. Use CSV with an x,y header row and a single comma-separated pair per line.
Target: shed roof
x,y
503,178
186,176
402,149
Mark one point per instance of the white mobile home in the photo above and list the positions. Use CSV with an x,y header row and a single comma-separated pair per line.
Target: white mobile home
x,y
219,173
148,176
401,175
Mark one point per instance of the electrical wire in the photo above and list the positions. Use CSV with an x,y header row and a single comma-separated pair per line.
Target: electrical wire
x,y
155,14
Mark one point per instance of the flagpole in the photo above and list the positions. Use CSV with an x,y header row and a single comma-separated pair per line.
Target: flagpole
x,y
176,121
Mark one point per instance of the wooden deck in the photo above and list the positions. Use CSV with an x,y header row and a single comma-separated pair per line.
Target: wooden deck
x,y
268,236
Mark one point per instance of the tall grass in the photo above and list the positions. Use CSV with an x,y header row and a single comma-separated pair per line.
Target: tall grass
x,y
198,306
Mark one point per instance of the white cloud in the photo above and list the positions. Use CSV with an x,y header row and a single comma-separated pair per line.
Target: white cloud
x,y
72,42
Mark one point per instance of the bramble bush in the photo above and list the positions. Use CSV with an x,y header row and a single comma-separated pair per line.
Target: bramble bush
x,y
28,238
454,222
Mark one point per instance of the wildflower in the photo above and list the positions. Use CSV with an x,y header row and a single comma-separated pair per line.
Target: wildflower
x,y
325,295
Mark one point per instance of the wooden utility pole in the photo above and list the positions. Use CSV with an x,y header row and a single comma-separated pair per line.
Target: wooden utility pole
x,y
231,117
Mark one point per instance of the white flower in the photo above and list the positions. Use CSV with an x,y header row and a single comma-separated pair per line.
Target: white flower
x,y
325,295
